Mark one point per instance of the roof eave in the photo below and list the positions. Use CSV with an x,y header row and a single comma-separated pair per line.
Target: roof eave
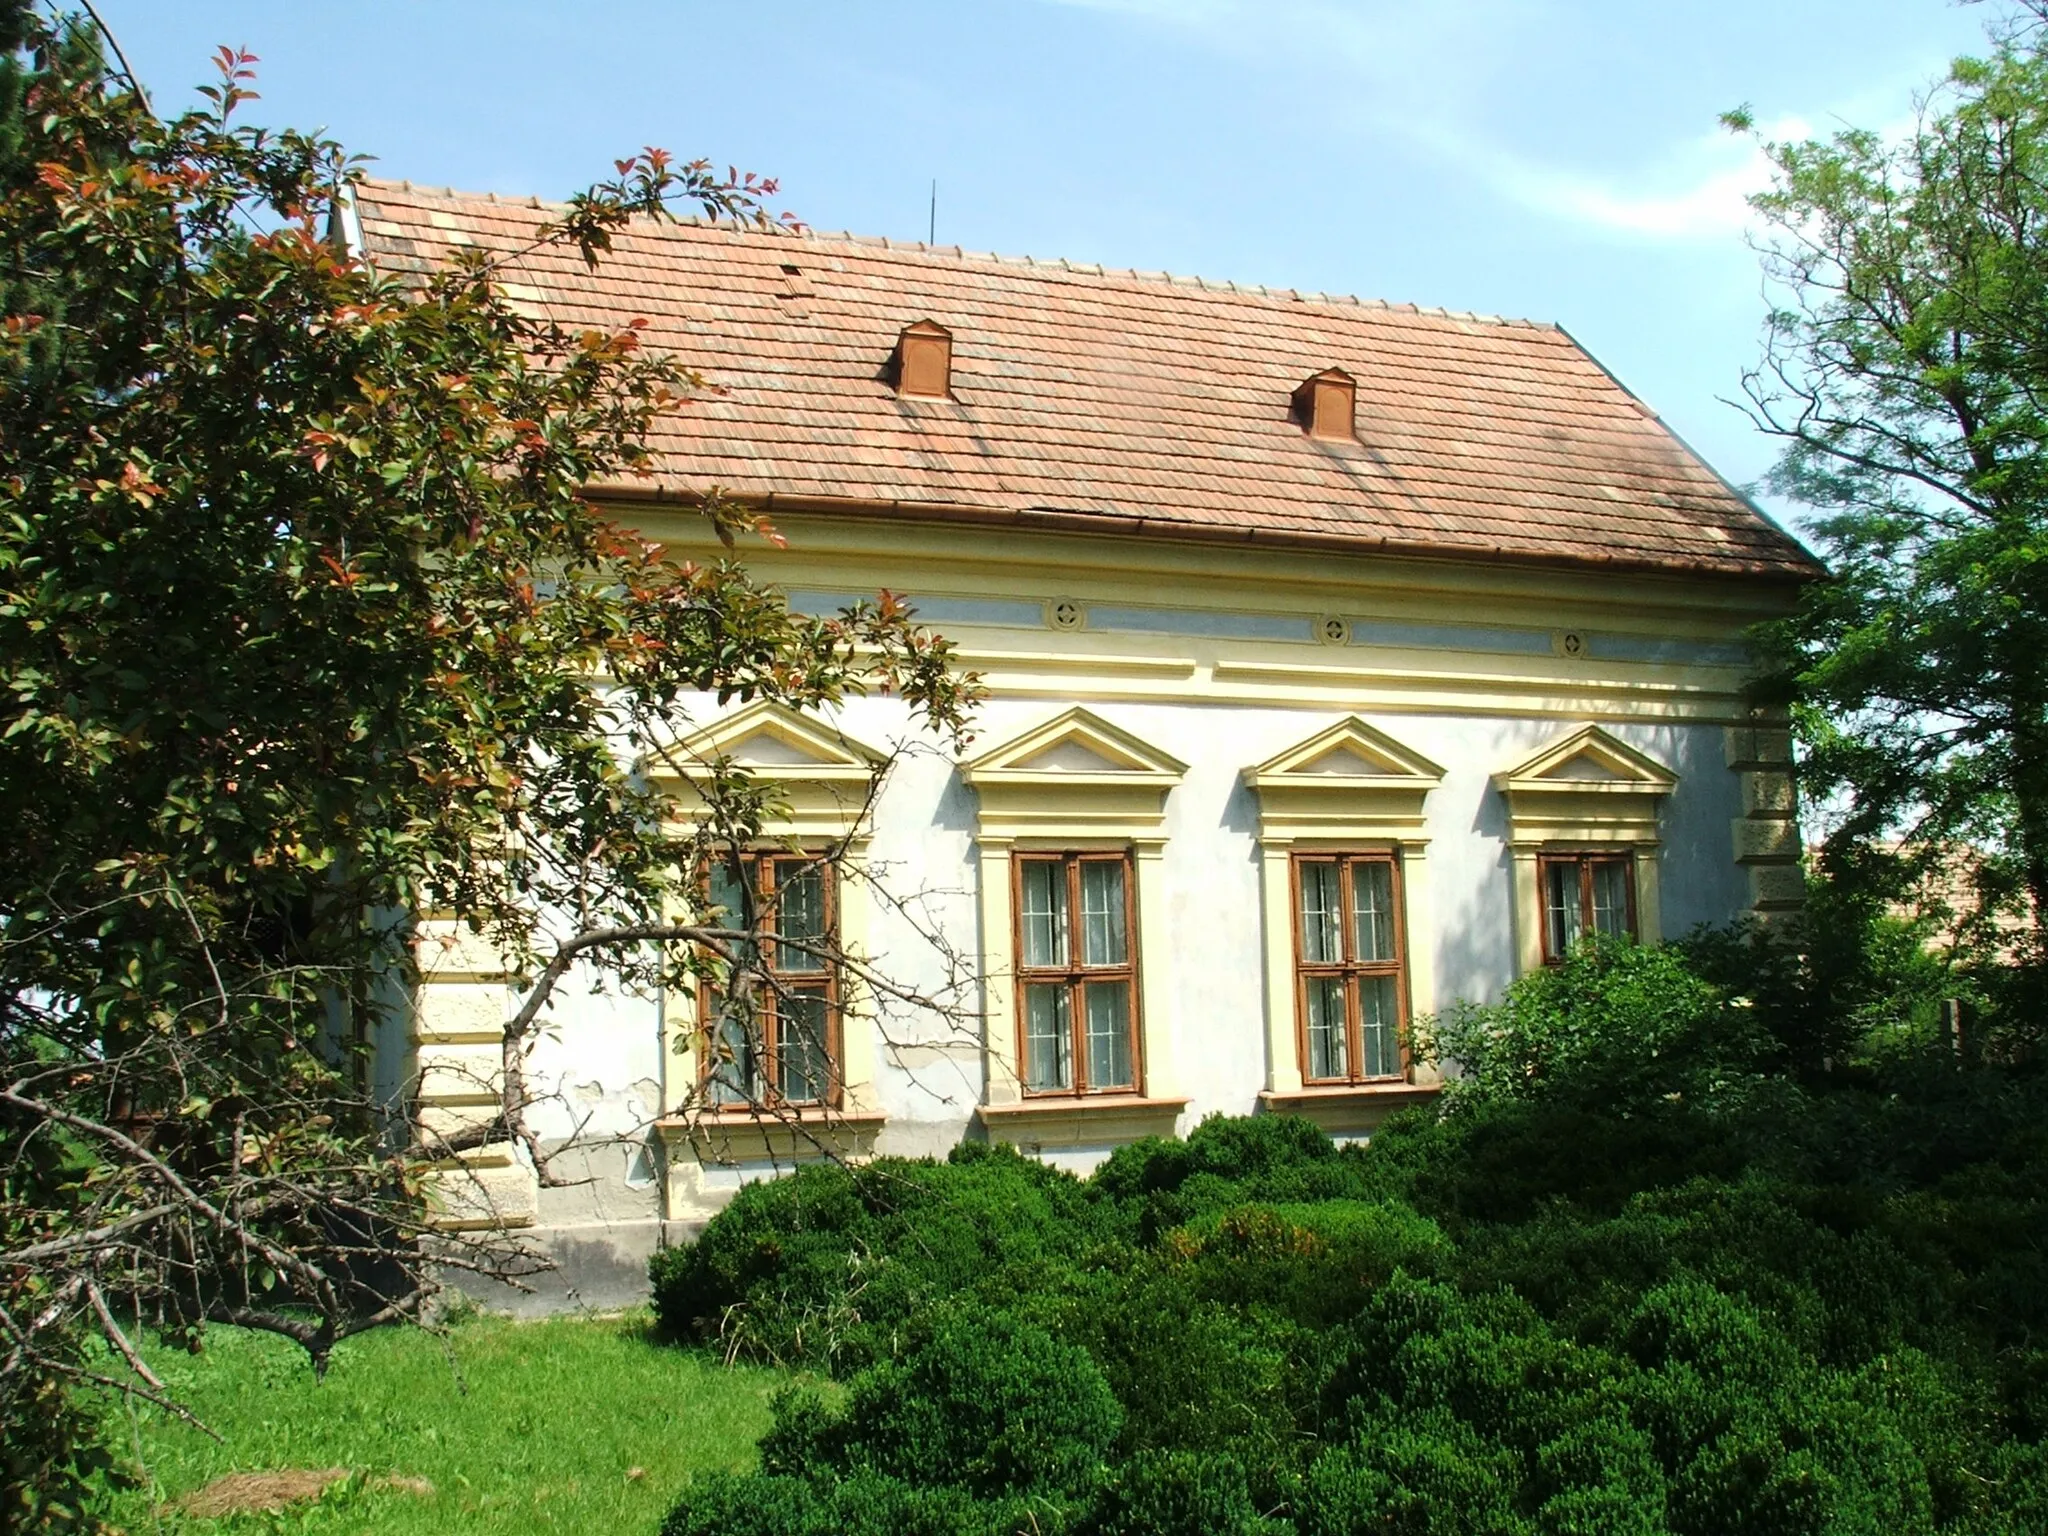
x,y
1077,520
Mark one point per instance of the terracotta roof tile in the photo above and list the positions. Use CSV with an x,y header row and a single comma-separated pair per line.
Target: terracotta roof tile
x,y
1119,394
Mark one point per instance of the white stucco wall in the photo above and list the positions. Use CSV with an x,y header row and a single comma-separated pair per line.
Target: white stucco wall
x,y
602,1053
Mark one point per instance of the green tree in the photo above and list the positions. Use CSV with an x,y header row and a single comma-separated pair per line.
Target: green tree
x,y
306,626
1906,373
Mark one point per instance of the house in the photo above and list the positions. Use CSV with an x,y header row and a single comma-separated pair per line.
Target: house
x,y
1345,660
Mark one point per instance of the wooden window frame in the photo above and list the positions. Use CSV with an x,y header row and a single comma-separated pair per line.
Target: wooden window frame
x,y
1350,969
760,865
1075,975
1585,859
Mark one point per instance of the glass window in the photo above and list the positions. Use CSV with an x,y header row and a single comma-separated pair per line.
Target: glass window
x,y
782,1048
1328,1035
1077,1003
1102,913
1563,916
1372,909
1585,893
1348,967
1322,912
1045,914
799,914
1048,1038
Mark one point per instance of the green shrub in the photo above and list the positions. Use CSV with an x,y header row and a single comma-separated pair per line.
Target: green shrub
x,y
1658,1270
1428,1478
1313,1263
1818,1261
863,1505
829,1264
53,1459
1758,1443
981,1403
1616,1025
1179,1493
1158,1183
1192,1374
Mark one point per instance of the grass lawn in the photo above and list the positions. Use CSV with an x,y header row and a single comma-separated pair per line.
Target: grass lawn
x,y
571,1425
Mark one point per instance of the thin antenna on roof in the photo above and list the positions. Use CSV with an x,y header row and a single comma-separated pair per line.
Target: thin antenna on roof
x,y
932,231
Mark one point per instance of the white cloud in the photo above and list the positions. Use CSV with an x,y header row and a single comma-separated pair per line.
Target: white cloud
x,y
1701,191
1420,74
1409,59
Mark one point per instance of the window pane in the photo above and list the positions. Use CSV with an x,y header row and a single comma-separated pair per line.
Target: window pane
x,y
1372,911
799,912
1610,897
1561,905
1103,941
728,897
1322,914
1328,1050
802,1063
732,1078
1379,1032
1048,1038
1045,912
1109,1034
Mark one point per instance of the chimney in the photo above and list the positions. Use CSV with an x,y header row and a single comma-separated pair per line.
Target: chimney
x,y
924,361
1324,404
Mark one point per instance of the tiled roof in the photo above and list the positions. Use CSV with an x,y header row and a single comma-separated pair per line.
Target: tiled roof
x,y
1122,398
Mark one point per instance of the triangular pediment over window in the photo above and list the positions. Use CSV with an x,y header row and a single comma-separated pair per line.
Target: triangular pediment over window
x,y
1586,788
1075,743
1348,749
1075,776
823,777
1589,761
770,741
1350,781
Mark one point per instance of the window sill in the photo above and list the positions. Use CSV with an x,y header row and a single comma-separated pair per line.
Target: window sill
x,y
1348,1109
1051,1124
747,1134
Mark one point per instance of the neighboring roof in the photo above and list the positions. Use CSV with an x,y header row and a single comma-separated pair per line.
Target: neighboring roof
x,y
1129,399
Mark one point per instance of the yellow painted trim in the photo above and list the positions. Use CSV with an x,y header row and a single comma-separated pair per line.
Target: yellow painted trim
x,y
1025,808
1007,762
1175,668
1348,1111
1109,567
729,1140
1548,811
825,796
1766,834
1633,772
1302,811
1030,566
998,967
827,747
1050,1125
1157,1025
826,804
858,1095
1399,764
1276,888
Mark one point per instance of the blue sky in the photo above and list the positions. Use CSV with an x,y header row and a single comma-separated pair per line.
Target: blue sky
x,y
1554,159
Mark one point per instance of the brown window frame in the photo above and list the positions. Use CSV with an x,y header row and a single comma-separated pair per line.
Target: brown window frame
x,y
1075,975
760,866
1585,859
1350,969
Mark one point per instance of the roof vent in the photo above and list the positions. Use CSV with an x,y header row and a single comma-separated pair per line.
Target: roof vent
x,y
1325,402
924,361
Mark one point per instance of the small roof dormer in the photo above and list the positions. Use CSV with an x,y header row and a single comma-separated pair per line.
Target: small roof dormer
x,y
924,361
1326,403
